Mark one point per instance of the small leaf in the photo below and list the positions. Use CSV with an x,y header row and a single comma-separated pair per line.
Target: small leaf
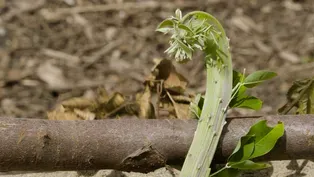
x,y
228,172
249,165
248,102
237,77
185,28
178,14
258,77
266,137
145,107
165,26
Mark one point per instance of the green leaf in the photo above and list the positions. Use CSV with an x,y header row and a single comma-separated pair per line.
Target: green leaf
x,y
242,100
165,26
265,137
243,150
196,105
258,77
185,28
258,141
236,78
227,172
250,165
245,101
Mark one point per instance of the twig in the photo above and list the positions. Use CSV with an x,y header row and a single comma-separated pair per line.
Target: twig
x,y
159,91
103,51
174,105
60,55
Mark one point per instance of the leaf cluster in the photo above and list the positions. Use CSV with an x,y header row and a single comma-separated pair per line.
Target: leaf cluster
x,y
300,96
260,140
189,33
239,98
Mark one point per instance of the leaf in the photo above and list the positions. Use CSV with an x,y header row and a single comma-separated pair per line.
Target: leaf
x,y
185,28
84,114
116,100
145,107
165,26
243,150
250,165
245,101
236,78
258,77
173,81
60,113
178,14
196,105
228,172
301,96
265,137
181,109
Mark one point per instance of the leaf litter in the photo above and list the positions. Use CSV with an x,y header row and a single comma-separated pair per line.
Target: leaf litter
x,y
163,83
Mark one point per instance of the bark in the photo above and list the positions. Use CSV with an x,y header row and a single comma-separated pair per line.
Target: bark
x,y
131,144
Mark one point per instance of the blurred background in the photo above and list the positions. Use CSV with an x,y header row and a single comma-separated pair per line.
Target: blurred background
x,y
54,50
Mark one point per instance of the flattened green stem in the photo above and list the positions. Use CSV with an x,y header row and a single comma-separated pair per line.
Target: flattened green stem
x,y
217,96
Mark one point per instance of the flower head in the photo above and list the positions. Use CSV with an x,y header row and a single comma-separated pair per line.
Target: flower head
x,y
187,35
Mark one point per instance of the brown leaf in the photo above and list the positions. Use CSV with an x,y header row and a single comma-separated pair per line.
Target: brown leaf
x,y
165,71
115,101
175,82
60,113
182,110
102,95
146,108
84,114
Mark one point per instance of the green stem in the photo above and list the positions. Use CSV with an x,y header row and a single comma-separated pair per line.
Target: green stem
x,y
212,119
220,170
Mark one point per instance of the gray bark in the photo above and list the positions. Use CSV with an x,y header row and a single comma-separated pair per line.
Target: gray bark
x,y
131,144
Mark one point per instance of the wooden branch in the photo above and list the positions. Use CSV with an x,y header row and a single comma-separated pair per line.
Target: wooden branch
x,y
130,144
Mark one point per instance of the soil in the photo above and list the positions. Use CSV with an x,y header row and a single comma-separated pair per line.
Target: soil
x,y
54,50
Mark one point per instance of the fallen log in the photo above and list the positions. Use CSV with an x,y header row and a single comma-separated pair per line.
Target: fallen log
x,y
131,144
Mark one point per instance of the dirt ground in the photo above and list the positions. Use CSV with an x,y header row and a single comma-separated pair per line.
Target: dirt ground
x,y
54,50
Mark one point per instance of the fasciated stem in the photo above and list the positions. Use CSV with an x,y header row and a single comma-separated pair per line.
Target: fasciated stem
x,y
199,30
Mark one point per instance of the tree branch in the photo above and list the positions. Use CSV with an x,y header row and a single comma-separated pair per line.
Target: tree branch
x,y
131,144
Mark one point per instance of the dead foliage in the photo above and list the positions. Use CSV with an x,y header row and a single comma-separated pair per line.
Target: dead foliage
x,y
164,93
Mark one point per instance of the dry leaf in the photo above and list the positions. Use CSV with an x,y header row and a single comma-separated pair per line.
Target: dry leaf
x,y
102,95
165,71
175,83
60,113
182,110
78,102
115,101
146,108
84,114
